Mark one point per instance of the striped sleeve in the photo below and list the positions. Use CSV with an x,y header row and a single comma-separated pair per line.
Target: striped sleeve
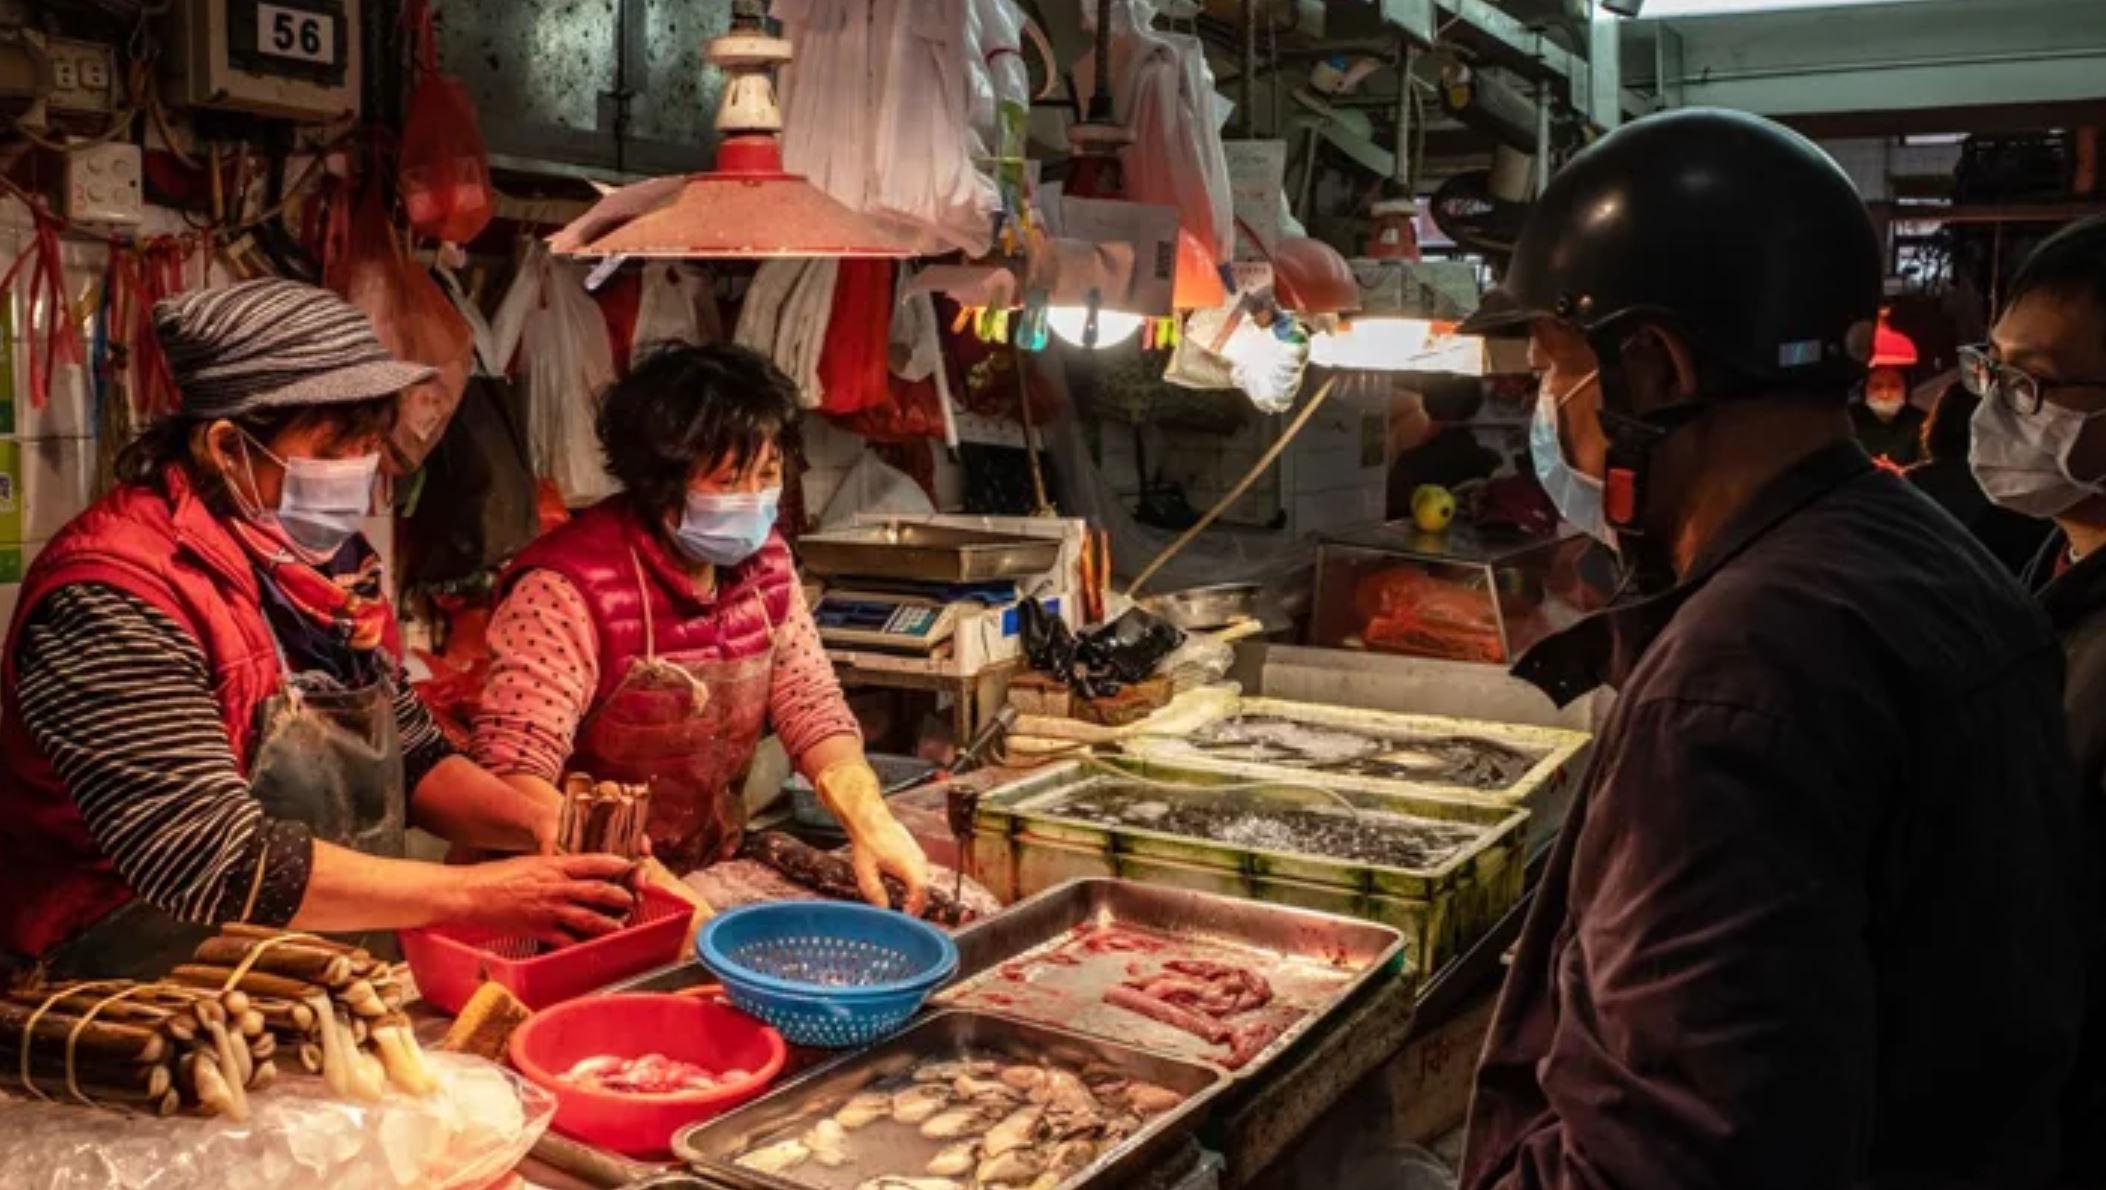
x,y
424,743
118,698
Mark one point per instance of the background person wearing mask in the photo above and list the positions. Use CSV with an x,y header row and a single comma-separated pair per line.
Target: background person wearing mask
x,y
1889,428
1946,476
2040,449
1731,975
655,635
204,719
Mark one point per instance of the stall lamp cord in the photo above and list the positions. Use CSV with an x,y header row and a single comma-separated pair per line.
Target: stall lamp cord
x,y
1301,419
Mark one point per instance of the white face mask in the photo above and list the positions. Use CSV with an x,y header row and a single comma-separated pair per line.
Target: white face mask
x,y
320,501
1577,495
2022,460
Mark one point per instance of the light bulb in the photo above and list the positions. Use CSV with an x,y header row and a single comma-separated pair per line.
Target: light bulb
x,y
1113,326
1374,344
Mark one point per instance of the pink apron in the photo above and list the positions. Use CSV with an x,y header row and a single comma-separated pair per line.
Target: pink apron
x,y
686,725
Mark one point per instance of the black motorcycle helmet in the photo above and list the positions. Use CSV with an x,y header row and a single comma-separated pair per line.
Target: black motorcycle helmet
x,y
1736,232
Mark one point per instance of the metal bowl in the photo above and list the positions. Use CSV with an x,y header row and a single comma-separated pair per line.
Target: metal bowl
x,y
1198,609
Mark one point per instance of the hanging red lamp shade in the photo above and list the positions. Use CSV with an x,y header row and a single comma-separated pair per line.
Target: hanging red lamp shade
x,y
747,208
1311,277
1891,348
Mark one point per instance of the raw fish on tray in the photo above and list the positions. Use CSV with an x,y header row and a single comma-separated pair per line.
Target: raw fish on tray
x,y
1370,836
1468,761
1132,985
731,883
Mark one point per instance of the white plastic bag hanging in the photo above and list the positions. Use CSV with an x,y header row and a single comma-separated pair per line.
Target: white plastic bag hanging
x,y
565,363
519,301
677,306
874,487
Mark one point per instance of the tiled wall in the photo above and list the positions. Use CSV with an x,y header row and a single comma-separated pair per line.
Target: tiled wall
x,y
1334,474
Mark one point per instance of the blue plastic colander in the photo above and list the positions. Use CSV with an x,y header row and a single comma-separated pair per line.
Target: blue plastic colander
x,y
826,974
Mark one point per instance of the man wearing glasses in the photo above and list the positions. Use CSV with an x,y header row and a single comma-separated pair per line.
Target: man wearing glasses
x,y
2040,449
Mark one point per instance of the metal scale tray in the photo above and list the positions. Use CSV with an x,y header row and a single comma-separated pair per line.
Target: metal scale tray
x,y
920,552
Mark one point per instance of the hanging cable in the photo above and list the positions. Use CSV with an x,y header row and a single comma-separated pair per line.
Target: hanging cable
x,y
1235,493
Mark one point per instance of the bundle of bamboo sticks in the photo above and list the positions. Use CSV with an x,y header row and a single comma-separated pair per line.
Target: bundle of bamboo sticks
x,y
150,1047
602,818
334,1008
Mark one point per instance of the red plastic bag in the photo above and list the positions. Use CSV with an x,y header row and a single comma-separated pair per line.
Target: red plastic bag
x,y
444,173
415,321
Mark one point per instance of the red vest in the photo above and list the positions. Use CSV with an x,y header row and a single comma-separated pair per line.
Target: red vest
x,y
593,553
169,551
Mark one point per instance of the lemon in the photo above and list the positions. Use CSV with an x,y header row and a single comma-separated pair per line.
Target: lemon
x,y
1432,508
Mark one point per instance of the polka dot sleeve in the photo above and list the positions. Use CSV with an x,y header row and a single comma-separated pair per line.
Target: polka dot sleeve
x,y
544,668
804,699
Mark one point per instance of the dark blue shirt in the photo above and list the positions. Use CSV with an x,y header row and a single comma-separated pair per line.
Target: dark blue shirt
x,y
1819,916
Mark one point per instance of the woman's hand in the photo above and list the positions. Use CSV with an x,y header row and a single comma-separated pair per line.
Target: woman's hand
x,y
888,850
560,899
882,846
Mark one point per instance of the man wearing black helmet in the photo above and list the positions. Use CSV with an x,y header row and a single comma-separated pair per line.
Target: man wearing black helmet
x,y
1816,918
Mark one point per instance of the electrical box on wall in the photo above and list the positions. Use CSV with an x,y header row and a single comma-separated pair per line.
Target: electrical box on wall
x,y
103,185
293,59
83,76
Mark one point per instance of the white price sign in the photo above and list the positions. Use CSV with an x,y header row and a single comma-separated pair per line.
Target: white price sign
x,y
295,33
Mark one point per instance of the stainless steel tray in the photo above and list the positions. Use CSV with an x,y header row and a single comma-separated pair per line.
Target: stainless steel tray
x,y
924,552
710,1147
1314,961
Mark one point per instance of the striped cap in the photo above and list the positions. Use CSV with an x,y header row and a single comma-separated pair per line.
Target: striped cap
x,y
272,343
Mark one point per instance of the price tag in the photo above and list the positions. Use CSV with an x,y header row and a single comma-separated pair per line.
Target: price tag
x,y
296,34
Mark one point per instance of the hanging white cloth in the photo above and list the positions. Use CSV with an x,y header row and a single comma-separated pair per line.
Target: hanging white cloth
x,y
1163,92
785,317
890,107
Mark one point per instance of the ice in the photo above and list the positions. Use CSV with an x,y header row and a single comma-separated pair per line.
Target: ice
x,y
298,1136
411,1142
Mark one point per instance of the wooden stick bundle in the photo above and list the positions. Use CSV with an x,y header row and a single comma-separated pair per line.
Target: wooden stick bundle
x,y
156,1048
602,818
332,1008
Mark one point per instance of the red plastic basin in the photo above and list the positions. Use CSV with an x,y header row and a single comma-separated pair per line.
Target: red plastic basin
x,y
713,1036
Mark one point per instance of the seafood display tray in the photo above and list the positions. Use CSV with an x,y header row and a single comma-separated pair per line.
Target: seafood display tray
x,y
712,1147
1026,840
1315,962
1545,785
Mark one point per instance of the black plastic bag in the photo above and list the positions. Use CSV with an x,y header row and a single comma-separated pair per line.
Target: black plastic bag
x,y
1104,660
477,504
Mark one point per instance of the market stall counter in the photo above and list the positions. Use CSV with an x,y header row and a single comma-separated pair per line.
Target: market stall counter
x,y
1320,1001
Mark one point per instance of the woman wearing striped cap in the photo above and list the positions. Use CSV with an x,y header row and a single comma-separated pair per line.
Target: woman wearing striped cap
x,y
202,714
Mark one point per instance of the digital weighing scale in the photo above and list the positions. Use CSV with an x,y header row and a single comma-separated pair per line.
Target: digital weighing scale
x,y
902,617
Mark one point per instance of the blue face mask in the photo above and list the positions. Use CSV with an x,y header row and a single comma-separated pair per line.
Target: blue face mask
x,y
726,528
1578,496
321,502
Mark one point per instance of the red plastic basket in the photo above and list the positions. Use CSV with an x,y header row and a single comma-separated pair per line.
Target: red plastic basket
x,y
451,962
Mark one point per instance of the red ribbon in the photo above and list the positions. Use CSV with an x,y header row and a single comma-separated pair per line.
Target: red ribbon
x,y
61,341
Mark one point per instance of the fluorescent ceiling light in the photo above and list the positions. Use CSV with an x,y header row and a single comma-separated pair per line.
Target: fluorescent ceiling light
x,y
1662,9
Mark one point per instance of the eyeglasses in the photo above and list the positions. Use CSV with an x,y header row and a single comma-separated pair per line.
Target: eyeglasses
x,y
1991,379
